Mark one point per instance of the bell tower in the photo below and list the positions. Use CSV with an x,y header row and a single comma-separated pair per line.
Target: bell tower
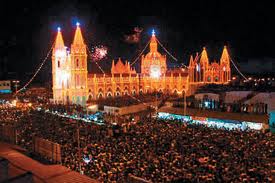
x,y
204,63
225,66
79,72
60,70
153,63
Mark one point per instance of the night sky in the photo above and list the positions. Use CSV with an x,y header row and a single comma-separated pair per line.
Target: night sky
x,y
28,29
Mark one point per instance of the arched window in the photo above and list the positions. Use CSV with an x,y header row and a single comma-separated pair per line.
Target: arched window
x,y
208,78
77,63
58,64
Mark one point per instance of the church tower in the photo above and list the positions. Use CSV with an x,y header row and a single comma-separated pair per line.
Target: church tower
x,y
203,67
79,72
191,69
225,71
60,70
153,63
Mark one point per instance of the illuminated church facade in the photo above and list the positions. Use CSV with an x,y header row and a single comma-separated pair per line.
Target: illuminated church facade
x,y
73,84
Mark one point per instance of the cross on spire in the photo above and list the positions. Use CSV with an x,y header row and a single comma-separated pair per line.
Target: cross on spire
x,y
153,32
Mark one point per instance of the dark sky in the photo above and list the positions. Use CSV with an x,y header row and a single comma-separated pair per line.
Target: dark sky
x,y
28,28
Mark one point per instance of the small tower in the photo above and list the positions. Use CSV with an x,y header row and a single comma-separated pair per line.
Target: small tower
x,y
60,70
79,69
225,71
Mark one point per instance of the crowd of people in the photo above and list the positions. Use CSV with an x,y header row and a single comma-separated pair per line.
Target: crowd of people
x,y
152,149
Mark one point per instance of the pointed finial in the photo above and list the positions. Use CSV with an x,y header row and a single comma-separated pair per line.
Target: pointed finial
x,y
58,29
204,48
153,32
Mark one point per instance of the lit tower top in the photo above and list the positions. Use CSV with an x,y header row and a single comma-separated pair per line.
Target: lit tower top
x,y
78,39
153,43
59,43
225,58
204,58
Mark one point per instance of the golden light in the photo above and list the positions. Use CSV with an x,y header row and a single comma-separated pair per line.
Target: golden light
x,y
29,104
14,102
233,78
91,107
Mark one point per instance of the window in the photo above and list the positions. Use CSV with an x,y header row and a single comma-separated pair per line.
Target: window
x,y
77,63
58,64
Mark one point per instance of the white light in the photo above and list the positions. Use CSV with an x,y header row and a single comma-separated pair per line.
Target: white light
x,y
155,72
60,53
86,160
198,68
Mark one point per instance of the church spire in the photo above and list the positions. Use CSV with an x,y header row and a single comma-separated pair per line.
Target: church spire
x,y
153,42
225,58
59,43
78,39
204,58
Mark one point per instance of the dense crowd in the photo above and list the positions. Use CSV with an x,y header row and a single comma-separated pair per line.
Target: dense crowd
x,y
155,150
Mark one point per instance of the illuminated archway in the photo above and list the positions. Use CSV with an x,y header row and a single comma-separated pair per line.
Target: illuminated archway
x,y
109,94
100,95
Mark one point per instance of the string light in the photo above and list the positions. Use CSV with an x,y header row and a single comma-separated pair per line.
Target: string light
x,y
238,69
37,71
168,52
140,53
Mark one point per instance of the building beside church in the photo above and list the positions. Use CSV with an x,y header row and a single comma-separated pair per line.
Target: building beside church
x,y
200,70
73,84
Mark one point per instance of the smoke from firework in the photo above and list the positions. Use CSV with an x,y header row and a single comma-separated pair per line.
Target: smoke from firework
x,y
99,52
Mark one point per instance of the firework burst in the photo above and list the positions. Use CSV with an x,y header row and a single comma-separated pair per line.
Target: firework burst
x,y
99,52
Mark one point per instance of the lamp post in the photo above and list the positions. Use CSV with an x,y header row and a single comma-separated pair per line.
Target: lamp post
x,y
184,103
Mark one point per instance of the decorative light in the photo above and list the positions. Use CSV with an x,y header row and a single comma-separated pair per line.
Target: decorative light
x,y
198,68
77,24
155,72
58,29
